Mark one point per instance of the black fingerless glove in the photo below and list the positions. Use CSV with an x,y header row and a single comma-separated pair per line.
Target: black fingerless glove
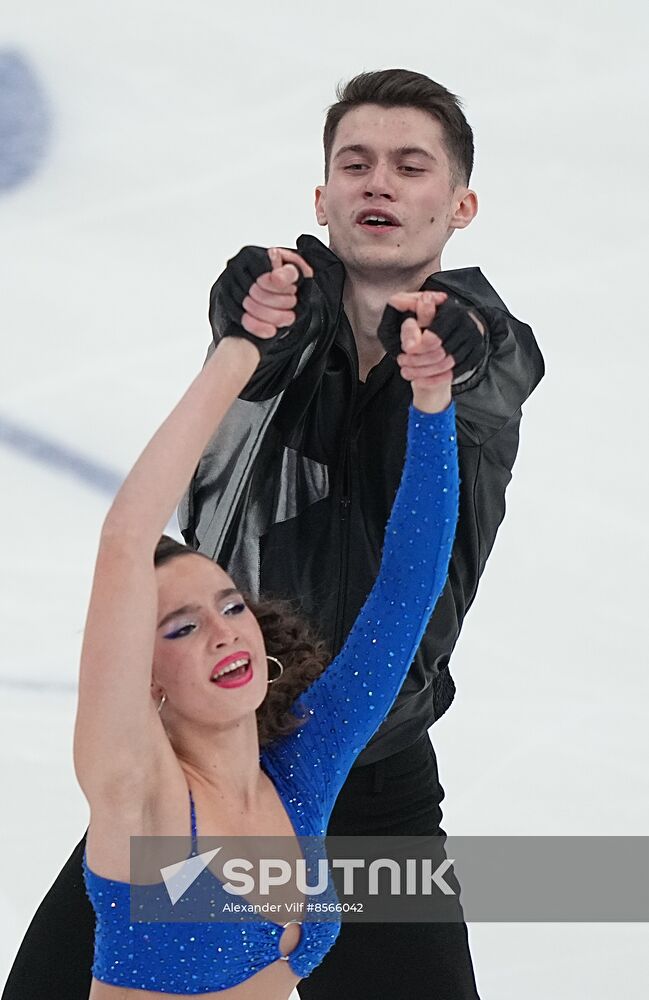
x,y
233,285
452,323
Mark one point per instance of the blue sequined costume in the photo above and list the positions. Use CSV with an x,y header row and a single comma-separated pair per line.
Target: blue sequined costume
x,y
343,708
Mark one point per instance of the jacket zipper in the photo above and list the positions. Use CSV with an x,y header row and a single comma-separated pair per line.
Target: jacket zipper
x,y
345,504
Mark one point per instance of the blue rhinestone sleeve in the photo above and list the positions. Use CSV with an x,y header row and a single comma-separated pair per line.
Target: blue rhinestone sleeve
x,y
345,706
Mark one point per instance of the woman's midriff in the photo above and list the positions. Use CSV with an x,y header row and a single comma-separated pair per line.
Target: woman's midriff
x,y
275,982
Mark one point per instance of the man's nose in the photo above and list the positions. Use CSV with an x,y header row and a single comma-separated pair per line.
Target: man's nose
x,y
380,182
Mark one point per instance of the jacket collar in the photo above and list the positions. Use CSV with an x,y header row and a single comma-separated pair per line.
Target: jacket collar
x,y
467,282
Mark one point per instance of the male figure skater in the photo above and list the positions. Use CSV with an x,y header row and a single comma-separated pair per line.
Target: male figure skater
x,y
327,429
300,512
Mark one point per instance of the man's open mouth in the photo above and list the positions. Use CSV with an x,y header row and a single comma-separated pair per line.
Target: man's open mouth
x,y
377,220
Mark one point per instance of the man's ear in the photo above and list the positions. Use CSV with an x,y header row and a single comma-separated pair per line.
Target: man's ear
x,y
320,202
465,208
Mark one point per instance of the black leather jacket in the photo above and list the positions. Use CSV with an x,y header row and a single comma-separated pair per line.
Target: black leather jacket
x,y
293,493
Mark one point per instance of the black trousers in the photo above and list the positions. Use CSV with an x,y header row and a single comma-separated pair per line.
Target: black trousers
x,y
399,795
56,955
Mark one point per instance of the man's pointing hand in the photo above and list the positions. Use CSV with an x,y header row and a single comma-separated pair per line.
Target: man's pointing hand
x,y
460,329
260,294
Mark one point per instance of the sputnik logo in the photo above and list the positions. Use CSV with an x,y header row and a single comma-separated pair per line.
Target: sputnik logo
x,y
179,877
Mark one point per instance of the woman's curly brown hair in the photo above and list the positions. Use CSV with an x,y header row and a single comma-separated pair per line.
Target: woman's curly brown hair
x,y
289,637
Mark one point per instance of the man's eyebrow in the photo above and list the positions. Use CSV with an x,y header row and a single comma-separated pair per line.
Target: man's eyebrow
x,y
192,609
353,148
399,151
416,151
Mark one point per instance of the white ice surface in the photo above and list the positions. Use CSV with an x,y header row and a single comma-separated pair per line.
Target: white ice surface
x,y
182,132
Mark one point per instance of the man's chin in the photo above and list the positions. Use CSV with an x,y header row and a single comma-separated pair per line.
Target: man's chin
x,y
379,260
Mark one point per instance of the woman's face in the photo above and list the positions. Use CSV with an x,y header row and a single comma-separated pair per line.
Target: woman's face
x,y
209,656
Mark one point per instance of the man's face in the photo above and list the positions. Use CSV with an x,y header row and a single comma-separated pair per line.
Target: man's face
x,y
392,161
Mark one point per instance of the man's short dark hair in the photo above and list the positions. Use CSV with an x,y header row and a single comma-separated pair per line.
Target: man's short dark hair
x,y
402,88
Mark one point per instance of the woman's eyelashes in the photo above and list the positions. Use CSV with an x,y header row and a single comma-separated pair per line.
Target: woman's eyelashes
x,y
180,631
234,608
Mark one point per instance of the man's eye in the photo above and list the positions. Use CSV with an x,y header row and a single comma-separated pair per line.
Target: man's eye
x,y
355,166
179,633
235,608
413,170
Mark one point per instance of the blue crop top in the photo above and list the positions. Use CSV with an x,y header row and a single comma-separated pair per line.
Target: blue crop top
x,y
343,707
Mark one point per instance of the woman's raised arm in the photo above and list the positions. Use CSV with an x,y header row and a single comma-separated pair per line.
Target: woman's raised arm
x,y
117,727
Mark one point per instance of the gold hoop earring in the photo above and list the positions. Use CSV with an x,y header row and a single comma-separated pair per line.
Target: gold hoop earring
x,y
162,701
274,659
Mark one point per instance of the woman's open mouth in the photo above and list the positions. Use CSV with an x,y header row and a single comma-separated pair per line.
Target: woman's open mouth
x,y
233,671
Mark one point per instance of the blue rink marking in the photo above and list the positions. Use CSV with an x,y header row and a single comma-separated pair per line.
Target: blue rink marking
x,y
49,453
45,451
59,458
25,120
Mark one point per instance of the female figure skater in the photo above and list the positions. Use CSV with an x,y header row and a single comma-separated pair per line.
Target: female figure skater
x,y
174,696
